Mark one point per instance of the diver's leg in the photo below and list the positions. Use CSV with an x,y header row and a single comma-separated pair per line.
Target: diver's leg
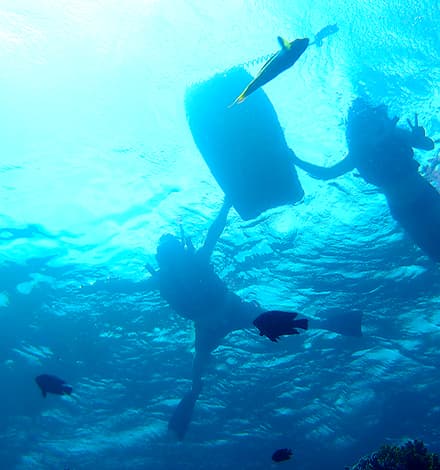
x,y
241,314
338,320
206,341
419,215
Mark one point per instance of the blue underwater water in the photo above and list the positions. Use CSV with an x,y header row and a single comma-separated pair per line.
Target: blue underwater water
x,y
97,161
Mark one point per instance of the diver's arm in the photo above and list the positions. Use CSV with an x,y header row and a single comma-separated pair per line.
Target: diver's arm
x,y
322,172
122,286
216,229
151,270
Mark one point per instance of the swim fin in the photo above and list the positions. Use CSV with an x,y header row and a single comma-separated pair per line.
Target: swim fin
x,y
343,322
179,421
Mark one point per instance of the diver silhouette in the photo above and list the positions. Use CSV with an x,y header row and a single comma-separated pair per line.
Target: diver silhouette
x,y
187,281
383,154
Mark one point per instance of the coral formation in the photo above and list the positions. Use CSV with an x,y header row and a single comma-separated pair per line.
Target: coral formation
x,y
411,456
431,171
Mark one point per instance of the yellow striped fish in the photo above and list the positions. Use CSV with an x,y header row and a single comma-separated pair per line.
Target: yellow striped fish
x,y
289,53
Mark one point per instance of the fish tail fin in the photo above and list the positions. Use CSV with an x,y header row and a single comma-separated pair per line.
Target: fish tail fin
x,y
302,323
346,323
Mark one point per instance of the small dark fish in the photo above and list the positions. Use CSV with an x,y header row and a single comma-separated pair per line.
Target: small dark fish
x,y
325,32
276,323
52,384
289,53
281,455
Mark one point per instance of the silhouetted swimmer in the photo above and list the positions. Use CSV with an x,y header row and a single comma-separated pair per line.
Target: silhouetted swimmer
x,y
383,154
52,384
187,281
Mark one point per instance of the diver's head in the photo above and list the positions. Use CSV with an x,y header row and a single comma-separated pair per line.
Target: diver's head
x,y
367,124
169,250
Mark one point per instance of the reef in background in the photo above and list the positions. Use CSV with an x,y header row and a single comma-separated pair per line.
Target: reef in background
x,y
411,456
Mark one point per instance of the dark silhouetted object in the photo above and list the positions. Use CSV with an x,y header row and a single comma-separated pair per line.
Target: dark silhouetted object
x,y
276,323
187,281
383,154
281,455
52,384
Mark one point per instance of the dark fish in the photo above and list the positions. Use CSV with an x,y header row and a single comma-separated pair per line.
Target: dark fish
x,y
281,455
289,53
52,384
276,323
325,32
